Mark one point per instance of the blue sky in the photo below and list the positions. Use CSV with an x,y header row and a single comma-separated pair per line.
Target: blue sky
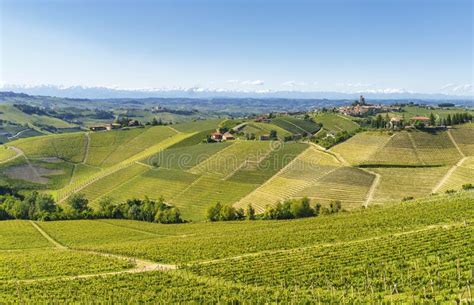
x,y
347,46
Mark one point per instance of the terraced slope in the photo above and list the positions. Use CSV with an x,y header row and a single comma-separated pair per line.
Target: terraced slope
x,y
398,183
462,174
231,159
295,125
309,167
109,148
346,184
186,157
335,122
361,147
68,147
110,172
464,137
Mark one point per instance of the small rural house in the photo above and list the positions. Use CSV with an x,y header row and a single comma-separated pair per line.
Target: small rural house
x,y
228,136
216,136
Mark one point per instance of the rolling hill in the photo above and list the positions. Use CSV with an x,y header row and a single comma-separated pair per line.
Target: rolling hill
x,y
417,251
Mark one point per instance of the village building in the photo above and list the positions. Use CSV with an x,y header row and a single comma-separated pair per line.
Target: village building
x,y
216,136
228,136
395,122
265,137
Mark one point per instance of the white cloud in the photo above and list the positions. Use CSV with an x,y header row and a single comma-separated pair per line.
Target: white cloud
x,y
293,83
462,88
457,88
253,82
232,81
385,90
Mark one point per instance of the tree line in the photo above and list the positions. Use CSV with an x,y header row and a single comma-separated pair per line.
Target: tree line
x,y
289,209
38,206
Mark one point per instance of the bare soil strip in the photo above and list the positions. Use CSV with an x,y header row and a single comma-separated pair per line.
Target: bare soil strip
x,y
18,151
140,264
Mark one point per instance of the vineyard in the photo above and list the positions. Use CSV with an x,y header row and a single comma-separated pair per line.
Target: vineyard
x,y
415,251
176,163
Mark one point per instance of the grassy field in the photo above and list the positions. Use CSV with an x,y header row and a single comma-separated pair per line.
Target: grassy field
x,y
259,129
417,251
12,114
335,123
6,153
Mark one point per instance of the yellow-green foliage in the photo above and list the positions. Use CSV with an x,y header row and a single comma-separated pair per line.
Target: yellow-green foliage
x,y
304,172
106,185
32,264
16,234
206,191
13,114
361,147
197,126
346,184
6,153
259,129
297,261
336,123
416,148
154,183
110,148
397,183
230,159
464,137
464,174
69,147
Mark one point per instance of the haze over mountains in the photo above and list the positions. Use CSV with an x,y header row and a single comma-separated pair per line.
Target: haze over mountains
x,y
198,92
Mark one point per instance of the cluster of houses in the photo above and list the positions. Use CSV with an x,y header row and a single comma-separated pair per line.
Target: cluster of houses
x,y
105,127
398,122
217,136
361,108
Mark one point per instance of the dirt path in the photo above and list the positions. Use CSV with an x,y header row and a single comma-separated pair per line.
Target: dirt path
x,y
87,147
18,134
18,151
373,187
455,144
140,264
452,169
49,238
447,175
336,155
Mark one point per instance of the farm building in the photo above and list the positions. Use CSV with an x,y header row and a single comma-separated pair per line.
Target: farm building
x,y
420,119
264,137
228,136
98,128
216,136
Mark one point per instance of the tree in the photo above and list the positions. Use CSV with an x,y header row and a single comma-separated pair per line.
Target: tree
x,y
273,134
213,212
432,119
301,208
250,212
78,202
449,121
